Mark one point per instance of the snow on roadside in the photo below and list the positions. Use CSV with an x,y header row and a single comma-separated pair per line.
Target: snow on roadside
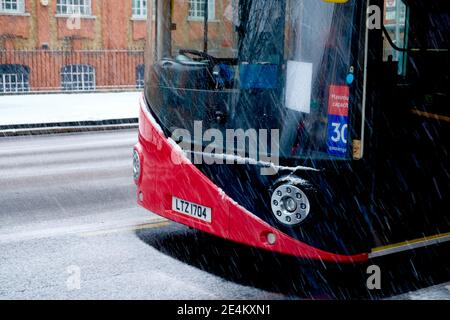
x,y
54,108
439,292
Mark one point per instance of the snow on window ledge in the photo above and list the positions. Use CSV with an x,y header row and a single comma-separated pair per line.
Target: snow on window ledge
x,y
82,16
200,19
14,13
138,18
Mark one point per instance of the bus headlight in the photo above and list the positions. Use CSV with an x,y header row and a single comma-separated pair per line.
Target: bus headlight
x,y
136,166
290,205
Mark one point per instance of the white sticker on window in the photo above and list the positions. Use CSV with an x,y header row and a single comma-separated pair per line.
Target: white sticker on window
x,y
299,86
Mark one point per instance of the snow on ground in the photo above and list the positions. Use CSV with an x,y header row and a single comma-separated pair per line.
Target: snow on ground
x,y
439,292
55,108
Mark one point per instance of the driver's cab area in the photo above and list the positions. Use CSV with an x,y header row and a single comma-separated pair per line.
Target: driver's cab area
x,y
194,69
194,62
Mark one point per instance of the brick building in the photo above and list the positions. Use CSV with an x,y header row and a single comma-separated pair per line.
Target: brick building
x,y
71,44
82,45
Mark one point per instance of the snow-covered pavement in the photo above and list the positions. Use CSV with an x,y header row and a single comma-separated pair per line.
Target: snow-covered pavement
x,y
439,292
59,108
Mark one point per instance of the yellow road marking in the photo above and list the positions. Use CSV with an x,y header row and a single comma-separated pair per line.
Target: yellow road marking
x,y
431,115
161,224
411,242
154,225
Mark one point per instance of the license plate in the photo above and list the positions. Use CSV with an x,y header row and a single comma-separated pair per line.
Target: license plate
x,y
191,209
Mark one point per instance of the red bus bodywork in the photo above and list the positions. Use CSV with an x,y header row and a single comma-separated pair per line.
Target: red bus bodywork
x,y
165,173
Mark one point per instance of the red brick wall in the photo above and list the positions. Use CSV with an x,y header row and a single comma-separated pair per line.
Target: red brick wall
x,y
12,26
109,27
116,39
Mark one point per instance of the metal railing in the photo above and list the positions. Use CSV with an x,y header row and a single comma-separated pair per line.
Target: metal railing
x,y
70,70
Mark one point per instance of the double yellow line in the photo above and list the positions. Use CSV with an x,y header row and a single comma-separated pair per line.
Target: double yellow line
x,y
409,245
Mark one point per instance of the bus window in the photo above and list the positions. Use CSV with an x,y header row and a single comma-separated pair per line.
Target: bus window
x,y
395,22
421,53
320,40
274,64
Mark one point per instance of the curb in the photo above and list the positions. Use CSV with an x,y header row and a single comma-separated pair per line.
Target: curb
x,y
68,127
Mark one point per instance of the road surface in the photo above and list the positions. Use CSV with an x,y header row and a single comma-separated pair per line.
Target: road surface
x,y
70,229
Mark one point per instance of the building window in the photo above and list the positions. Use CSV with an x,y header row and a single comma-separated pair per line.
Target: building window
x,y
12,6
139,8
80,7
78,77
140,76
197,9
14,78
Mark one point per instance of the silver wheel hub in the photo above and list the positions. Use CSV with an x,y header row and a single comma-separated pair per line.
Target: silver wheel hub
x,y
290,205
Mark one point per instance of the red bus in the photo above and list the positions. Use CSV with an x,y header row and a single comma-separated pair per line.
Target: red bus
x,y
315,129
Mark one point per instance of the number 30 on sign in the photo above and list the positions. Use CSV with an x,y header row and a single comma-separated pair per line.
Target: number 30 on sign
x,y
337,135
338,110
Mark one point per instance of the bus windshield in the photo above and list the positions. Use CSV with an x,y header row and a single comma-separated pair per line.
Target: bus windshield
x,y
290,65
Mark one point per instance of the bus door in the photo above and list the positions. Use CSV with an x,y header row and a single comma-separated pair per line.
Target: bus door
x,y
409,93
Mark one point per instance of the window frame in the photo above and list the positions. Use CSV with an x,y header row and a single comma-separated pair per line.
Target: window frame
x,y
61,4
139,12
20,7
14,87
76,76
20,73
197,17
